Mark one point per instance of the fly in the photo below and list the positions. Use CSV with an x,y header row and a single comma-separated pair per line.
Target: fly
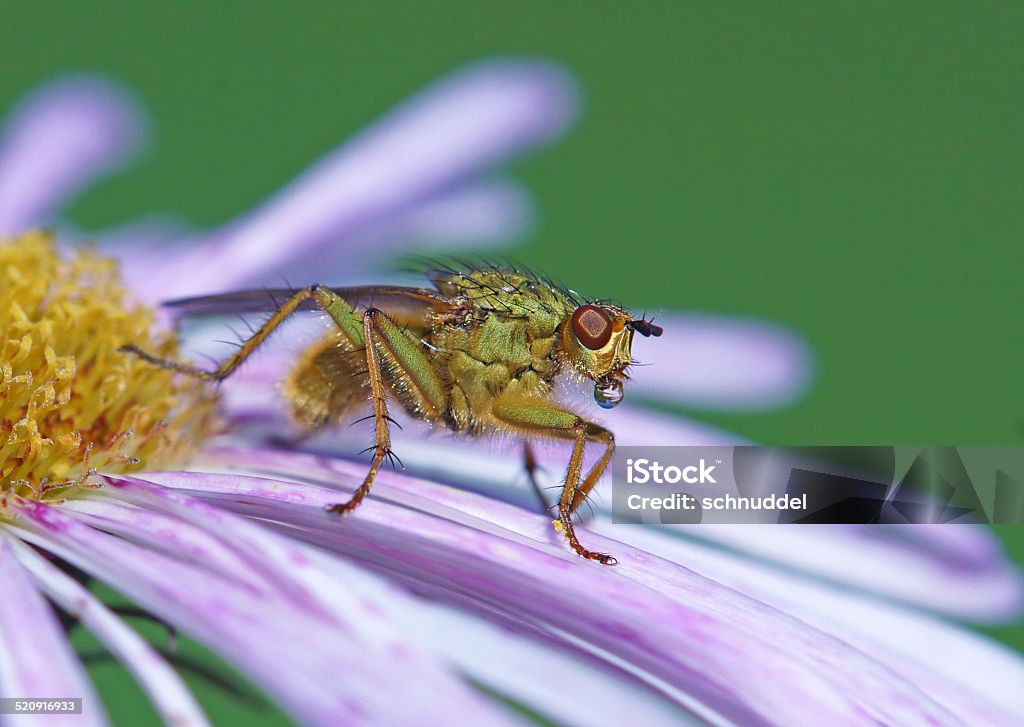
x,y
478,353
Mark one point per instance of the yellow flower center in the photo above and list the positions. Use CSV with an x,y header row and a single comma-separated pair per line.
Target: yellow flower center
x,y
70,403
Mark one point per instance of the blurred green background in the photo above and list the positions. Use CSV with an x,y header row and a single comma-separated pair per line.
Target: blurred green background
x,y
855,172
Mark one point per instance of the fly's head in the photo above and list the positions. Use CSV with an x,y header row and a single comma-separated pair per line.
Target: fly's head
x,y
596,341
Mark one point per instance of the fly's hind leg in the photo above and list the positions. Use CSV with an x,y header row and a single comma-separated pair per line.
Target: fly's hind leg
x,y
539,417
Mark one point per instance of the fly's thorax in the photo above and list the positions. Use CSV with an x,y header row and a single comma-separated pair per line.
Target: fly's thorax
x,y
537,301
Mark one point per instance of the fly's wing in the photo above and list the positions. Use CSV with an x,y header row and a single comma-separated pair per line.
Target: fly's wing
x,y
413,308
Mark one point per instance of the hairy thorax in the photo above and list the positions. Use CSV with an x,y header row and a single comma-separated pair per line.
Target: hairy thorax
x,y
503,346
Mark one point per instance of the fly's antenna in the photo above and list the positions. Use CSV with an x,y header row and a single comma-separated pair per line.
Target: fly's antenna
x,y
646,327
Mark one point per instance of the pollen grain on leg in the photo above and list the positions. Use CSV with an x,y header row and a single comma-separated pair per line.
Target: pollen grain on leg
x,y
70,404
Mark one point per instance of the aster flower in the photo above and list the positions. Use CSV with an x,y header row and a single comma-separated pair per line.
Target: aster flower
x,y
439,585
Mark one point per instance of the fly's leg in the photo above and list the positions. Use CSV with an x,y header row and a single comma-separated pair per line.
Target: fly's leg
x,y
382,437
348,321
531,467
573,494
414,379
536,417
594,433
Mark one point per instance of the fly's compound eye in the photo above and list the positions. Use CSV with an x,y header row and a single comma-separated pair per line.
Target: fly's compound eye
x,y
592,326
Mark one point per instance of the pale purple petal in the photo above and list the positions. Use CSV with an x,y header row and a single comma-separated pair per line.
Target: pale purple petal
x,y
259,630
474,216
164,534
968,577
931,651
458,639
966,547
721,362
990,589
665,621
451,132
61,138
543,675
513,666
492,212
36,660
172,699
138,238
958,570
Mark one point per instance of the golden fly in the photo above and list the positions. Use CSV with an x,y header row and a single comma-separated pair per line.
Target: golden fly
x,y
478,353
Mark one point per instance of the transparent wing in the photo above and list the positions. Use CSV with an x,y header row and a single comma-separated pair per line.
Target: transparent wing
x,y
411,307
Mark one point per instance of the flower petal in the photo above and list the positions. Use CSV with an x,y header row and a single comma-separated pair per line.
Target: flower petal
x,y
161,682
490,655
933,652
259,630
454,637
481,214
36,660
163,533
61,138
867,558
722,362
455,129
664,621
491,212
542,674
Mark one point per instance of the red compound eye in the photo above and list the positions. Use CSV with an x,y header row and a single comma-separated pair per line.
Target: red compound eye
x,y
592,326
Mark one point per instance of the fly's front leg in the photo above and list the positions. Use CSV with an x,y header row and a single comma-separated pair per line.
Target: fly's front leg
x,y
323,297
594,433
412,376
574,496
537,417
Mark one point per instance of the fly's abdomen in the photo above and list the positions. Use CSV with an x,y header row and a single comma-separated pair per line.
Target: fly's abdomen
x,y
328,383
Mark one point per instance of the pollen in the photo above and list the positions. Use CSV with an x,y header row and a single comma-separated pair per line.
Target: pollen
x,y
71,405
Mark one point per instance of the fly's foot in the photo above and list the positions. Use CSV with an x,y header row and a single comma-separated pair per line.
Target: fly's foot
x,y
570,535
602,558
344,508
338,508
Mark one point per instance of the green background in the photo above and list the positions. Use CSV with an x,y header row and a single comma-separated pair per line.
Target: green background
x,y
854,172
